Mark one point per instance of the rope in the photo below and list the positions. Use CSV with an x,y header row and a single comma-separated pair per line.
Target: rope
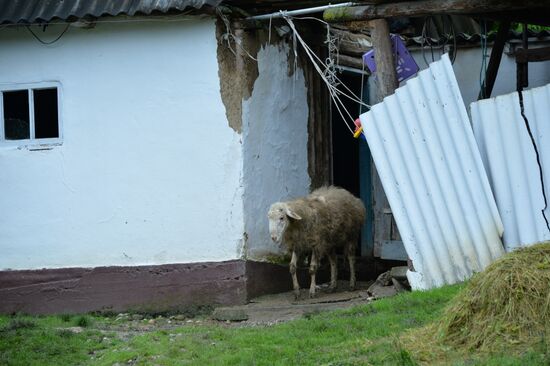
x,y
328,73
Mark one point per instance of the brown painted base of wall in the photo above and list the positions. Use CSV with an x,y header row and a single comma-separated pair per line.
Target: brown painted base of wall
x,y
162,288
154,289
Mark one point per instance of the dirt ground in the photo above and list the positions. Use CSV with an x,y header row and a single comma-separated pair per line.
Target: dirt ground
x,y
272,309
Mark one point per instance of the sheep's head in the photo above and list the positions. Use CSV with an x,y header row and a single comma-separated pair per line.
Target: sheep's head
x,y
279,216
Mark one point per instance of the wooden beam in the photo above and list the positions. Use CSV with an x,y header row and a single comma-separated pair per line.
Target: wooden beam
x,y
355,44
494,61
386,83
386,76
350,61
533,55
428,7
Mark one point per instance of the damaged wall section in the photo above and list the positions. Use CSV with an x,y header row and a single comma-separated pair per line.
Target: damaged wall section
x,y
275,143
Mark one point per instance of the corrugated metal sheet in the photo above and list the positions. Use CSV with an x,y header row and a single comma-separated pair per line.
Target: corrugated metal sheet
x,y
511,163
425,153
35,11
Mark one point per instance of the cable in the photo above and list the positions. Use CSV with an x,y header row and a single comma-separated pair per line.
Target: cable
x,y
51,42
537,155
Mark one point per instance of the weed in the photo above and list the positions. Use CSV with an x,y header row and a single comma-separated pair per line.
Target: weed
x,y
65,333
83,321
65,317
17,323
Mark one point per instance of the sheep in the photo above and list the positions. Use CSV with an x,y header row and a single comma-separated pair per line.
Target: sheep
x,y
329,218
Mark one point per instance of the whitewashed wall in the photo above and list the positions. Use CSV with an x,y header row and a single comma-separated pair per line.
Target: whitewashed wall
x,y
275,121
149,171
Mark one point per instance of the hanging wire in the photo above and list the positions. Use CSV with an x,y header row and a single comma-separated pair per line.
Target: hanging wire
x,y
448,33
316,63
228,36
328,76
48,42
483,68
331,73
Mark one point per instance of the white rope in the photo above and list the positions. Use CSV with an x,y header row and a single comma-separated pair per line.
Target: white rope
x,y
229,36
333,75
329,76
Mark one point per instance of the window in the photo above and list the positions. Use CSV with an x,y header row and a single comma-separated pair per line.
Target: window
x,y
30,114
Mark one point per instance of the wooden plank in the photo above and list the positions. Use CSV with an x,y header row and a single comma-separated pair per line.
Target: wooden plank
x,y
383,56
533,55
494,61
354,44
428,7
386,83
350,61
393,250
319,141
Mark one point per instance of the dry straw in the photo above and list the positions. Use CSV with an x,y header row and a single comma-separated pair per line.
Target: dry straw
x,y
504,308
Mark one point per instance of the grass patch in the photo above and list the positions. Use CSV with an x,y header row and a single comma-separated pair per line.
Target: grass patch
x,y
46,340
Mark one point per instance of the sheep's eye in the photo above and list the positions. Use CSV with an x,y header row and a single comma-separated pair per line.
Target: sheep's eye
x,y
281,218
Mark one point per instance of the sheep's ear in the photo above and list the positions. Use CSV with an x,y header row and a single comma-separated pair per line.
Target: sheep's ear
x,y
292,214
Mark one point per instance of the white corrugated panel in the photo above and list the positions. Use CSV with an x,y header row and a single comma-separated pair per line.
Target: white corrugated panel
x,y
511,162
431,170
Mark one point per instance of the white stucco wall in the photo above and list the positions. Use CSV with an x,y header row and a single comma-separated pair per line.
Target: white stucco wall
x,y
275,122
149,172
467,69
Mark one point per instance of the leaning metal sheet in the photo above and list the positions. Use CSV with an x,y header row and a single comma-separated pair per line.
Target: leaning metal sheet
x,y
510,159
431,170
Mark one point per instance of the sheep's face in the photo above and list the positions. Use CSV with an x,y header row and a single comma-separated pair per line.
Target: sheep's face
x,y
279,216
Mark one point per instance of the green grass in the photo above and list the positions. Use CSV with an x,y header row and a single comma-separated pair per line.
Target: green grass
x,y
365,335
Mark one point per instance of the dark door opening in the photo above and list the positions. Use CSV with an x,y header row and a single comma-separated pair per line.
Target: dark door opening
x,y
351,157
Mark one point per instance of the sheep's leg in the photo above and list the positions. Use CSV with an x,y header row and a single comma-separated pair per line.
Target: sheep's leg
x,y
313,265
351,260
295,284
333,271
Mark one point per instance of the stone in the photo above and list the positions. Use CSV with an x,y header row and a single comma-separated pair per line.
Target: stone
x,y
378,291
399,273
384,279
230,314
399,287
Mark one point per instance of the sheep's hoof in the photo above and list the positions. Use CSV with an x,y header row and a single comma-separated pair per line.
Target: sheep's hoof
x,y
296,294
352,286
312,294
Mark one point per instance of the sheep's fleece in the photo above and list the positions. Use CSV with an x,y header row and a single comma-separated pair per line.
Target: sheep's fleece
x,y
328,218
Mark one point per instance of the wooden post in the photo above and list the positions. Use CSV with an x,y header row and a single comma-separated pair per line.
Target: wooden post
x,y
494,61
386,77
386,83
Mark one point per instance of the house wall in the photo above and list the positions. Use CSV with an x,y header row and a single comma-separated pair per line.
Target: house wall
x,y
275,142
467,69
149,171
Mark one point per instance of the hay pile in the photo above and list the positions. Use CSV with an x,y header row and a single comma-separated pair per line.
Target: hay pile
x,y
506,307
507,303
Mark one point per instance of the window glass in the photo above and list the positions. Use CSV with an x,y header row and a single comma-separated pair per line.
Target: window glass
x,y
45,113
16,115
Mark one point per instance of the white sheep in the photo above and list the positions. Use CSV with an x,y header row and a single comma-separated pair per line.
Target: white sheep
x,y
327,219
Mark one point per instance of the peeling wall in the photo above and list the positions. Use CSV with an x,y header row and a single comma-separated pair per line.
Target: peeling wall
x,y
275,142
237,72
149,172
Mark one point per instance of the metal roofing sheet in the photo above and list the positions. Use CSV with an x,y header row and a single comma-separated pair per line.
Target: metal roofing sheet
x,y
511,162
35,11
431,170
